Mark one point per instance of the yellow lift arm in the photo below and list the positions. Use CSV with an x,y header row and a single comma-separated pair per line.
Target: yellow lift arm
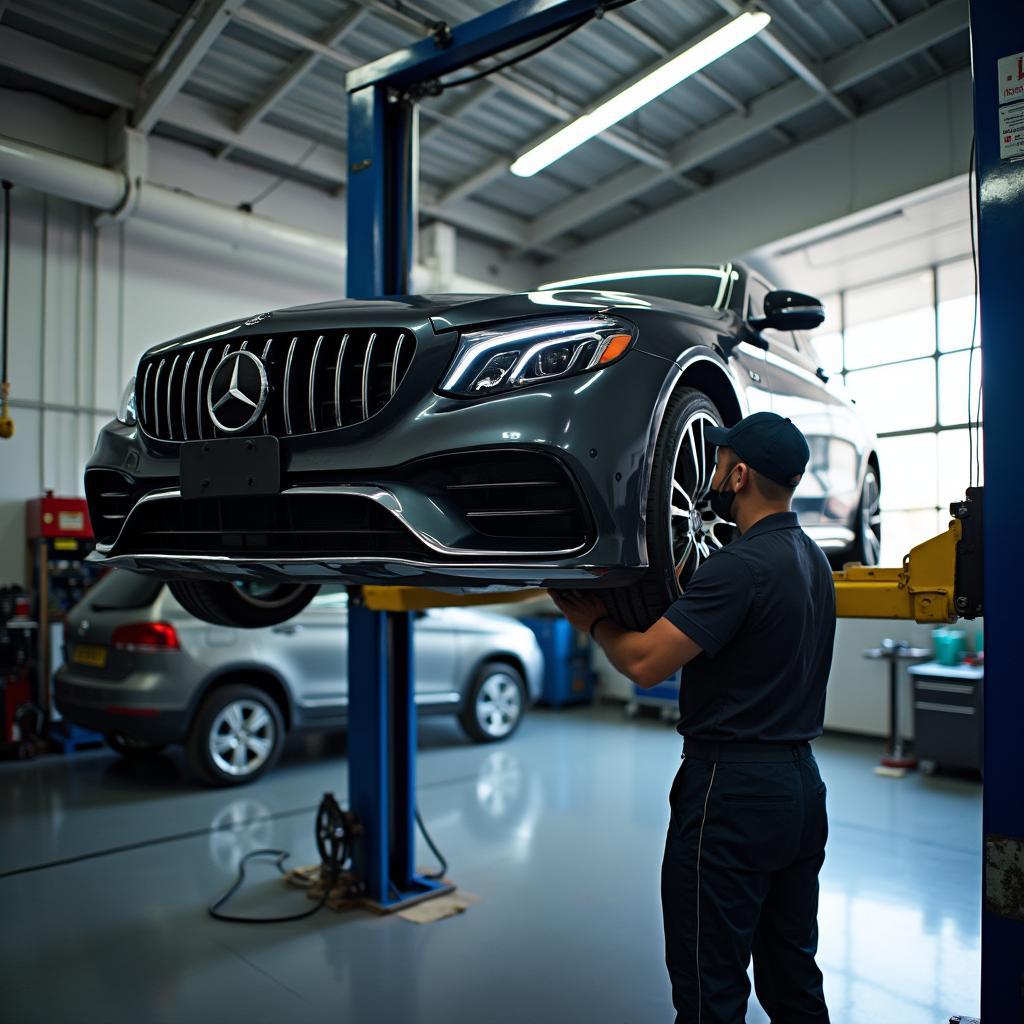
x,y
940,580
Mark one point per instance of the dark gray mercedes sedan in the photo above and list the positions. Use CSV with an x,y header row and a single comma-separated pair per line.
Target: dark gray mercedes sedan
x,y
553,438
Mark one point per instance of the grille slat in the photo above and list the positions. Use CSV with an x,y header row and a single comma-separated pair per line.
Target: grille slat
x,y
287,387
156,397
170,388
366,376
184,391
312,384
318,381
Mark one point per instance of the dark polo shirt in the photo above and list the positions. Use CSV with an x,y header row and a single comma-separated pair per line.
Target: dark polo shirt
x,y
763,609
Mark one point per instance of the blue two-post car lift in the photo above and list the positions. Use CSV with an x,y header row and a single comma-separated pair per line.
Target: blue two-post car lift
x,y
381,193
382,172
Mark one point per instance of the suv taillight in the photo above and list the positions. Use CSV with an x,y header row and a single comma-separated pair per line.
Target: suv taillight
x,y
146,636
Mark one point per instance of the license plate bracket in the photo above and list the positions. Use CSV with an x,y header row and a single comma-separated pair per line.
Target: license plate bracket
x,y
230,467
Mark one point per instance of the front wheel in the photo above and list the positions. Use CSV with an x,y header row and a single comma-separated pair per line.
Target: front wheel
x,y
682,531
248,605
867,526
495,703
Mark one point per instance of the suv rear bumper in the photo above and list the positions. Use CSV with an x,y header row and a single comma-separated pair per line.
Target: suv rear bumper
x,y
117,708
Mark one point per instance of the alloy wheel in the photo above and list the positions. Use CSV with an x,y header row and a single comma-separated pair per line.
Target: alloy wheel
x,y
695,529
871,520
499,703
241,738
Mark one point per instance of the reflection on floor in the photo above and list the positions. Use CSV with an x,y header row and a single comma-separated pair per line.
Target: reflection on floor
x,y
559,831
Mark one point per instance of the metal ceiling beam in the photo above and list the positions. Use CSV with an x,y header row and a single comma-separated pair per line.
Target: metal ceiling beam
x,y
302,42
881,51
942,21
620,138
93,78
298,68
775,40
162,89
174,40
469,99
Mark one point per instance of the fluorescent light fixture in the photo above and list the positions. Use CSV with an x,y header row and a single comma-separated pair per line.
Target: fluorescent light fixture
x,y
673,71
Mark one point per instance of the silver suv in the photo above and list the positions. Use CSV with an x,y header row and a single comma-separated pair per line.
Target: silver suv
x,y
146,673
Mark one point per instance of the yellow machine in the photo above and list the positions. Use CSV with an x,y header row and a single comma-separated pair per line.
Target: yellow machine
x,y
939,581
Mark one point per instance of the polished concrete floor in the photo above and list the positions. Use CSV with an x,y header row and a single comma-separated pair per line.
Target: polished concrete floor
x,y
106,869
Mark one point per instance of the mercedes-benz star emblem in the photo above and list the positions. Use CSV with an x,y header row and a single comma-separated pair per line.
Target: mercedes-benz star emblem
x,y
237,392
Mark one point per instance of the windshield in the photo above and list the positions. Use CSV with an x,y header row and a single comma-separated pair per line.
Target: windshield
x,y
700,286
120,590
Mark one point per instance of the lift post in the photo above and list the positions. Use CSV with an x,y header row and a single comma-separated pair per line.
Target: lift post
x,y
997,58
381,203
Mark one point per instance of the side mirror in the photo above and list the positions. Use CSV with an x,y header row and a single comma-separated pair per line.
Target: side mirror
x,y
790,311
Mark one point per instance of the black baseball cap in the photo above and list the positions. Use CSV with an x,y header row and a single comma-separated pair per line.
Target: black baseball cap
x,y
767,442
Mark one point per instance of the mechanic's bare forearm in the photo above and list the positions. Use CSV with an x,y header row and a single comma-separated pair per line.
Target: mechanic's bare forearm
x,y
625,649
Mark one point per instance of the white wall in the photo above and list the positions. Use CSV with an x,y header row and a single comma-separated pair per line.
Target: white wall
x,y
913,143
85,303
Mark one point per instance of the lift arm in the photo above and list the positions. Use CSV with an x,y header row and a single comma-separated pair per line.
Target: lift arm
x,y
940,580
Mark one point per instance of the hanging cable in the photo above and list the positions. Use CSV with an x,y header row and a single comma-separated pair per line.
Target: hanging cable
x,y
6,423
443,869
594,15
248,205
973,461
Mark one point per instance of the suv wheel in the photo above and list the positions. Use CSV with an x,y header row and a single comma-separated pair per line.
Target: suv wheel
x,y
495,703
682,531
248,605
236,736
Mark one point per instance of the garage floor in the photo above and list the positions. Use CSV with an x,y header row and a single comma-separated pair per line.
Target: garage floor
x,y
559,833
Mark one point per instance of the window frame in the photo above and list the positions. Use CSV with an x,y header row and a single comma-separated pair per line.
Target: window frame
x,y
936,427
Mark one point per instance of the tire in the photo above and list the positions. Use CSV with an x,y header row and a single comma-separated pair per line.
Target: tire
x,y
866,525
235,713
682,534
243,605
127,747
495,703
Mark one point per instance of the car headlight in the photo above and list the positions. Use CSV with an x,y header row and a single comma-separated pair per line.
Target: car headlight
x,y
514,355
126,410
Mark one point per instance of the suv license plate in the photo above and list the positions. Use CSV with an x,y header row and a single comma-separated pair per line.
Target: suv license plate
x,y
229,467
89,654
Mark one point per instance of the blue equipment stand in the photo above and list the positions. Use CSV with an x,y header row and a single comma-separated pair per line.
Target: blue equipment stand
x,y
997,45
382,757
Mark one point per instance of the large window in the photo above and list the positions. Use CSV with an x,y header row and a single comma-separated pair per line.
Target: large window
x,y
902,348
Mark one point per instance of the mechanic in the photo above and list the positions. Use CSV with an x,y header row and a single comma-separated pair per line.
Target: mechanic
x,y
753,635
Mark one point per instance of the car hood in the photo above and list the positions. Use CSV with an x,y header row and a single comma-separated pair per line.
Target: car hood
x,y
442,313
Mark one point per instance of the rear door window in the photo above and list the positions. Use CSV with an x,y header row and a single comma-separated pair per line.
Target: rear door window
x,y
120,590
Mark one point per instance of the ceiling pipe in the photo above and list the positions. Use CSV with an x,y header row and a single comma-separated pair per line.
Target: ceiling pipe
x,y
104,190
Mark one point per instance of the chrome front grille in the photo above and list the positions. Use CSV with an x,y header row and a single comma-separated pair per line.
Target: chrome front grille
x,y
317,381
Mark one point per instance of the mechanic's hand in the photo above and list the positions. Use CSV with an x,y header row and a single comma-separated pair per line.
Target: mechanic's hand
x,y
579,607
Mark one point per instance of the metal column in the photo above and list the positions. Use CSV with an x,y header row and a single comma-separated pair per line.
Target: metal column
x,y
997,42
382,175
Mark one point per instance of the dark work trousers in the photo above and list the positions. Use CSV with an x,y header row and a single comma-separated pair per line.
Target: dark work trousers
x,y
745,843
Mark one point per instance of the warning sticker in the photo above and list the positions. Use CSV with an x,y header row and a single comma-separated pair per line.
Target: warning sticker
x,y
1011,131
1010,78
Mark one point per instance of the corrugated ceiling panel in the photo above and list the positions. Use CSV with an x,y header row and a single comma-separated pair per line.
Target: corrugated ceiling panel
x,y
125,33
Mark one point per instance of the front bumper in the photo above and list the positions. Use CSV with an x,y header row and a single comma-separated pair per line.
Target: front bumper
x,y
598,428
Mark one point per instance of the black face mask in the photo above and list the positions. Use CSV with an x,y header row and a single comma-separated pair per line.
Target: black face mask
x,y
721,503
